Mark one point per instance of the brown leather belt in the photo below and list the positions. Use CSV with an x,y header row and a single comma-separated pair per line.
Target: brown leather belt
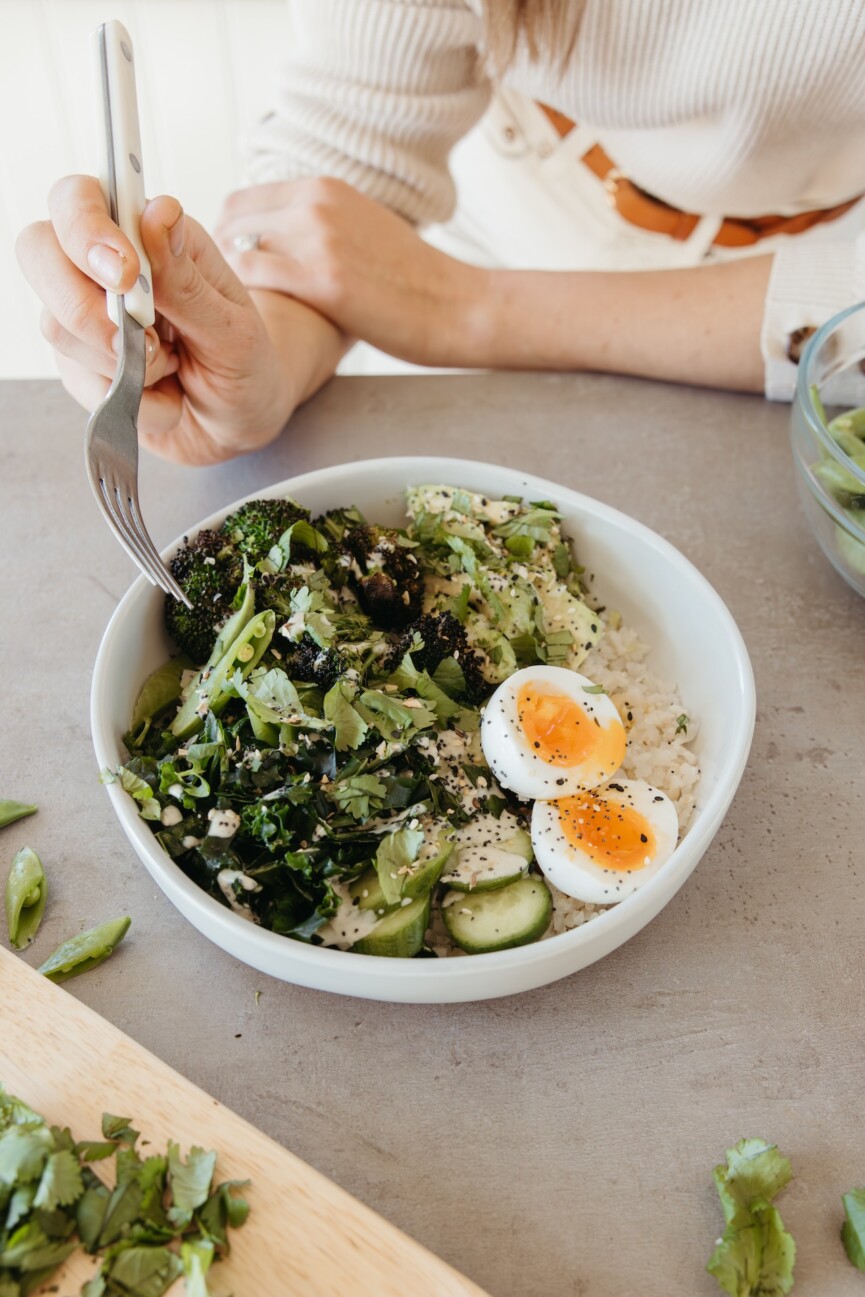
x,y
642,209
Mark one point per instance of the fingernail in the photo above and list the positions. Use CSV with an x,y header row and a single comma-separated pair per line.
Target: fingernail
x,y
175,236
151,345
115,342
107,264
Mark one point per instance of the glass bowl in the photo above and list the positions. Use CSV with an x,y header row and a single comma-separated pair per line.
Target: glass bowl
x,y
828,439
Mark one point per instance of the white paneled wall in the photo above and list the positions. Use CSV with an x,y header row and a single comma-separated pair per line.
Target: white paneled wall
x,y
206,70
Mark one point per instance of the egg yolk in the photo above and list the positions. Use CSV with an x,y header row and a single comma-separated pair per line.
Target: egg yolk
x,y
561,733
612,835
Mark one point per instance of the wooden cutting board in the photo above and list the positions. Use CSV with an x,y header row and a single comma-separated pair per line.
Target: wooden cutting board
x,y
305,1237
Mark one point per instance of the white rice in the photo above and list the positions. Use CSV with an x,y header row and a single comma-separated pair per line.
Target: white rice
x,y
650,710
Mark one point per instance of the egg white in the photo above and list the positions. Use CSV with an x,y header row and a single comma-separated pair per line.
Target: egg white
x,y
574,872
508,751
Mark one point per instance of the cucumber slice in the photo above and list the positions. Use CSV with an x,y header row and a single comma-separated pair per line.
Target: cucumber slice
x,y
366,890
509,916
485,871
399,934
489,854
428,872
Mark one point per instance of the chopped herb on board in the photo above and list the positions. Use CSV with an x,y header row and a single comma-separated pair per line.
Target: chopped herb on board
x,y
165,1218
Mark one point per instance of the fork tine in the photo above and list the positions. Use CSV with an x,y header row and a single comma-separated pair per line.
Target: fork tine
x,y
167,581
110,496
126,515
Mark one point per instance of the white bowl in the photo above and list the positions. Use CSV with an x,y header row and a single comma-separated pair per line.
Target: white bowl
x,y
695,644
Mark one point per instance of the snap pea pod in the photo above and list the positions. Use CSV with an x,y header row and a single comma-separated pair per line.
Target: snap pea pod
x,y
87,950
12,811
850,421
26,894
212,689
159,691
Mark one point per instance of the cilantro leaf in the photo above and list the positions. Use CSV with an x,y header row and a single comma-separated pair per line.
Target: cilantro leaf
x,y
351,728
190,1180
853,1229
358,794
119,1128
23,1152
756,1255
407,676
754,1175
61,1183
196,1257
29,1249
392,718
223,1211
141,1271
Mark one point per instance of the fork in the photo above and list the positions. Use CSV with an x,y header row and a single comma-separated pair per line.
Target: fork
x,y
111,450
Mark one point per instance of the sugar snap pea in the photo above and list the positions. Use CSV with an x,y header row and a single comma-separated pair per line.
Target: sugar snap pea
x,y
212,690
26,894
12,811
86,951
159,691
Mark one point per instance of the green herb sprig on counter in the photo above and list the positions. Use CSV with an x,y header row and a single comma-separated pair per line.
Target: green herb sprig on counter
x,y
755,1256
164,1218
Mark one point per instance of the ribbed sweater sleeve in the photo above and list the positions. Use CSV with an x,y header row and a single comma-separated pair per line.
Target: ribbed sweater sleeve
x,y
375,92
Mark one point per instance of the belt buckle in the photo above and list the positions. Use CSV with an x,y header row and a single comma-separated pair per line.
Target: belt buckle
x,y
611,185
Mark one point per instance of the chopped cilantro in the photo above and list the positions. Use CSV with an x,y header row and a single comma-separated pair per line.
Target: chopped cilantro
x,y
163,1219
682,723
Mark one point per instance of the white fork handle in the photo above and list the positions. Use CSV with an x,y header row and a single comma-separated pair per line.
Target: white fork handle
x,y
121,172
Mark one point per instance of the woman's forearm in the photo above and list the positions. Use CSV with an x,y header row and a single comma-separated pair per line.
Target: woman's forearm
x,y
697,325
370,273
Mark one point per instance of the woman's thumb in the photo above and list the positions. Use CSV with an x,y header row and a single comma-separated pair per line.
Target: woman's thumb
x,y
181,292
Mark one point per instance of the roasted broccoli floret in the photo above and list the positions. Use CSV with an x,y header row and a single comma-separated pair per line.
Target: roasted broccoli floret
x,y
258,525
209,571
441,636
390,586
309,662
336,522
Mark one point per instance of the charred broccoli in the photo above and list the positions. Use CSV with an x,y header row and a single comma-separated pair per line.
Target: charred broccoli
x,y
209,572
257,526
309,662
441,636
390,585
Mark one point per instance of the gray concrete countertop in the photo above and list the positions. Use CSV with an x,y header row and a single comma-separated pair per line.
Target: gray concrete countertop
x,y
559,1142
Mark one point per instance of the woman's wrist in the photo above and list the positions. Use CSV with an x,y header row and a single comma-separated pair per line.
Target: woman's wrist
x,y
307,348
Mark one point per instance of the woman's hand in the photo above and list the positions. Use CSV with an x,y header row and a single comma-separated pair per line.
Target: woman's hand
x,y
217,385
364,268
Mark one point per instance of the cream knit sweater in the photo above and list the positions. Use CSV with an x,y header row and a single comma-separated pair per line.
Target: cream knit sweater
x,y
721,107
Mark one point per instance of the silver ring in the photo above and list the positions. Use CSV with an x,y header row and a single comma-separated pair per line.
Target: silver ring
x,y
246,242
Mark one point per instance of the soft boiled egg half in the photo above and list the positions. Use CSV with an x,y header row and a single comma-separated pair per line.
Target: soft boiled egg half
x,y
548,732
602,845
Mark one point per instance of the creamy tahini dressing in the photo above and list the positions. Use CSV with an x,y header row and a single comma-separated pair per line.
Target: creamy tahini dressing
x,y
350,922
228,880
